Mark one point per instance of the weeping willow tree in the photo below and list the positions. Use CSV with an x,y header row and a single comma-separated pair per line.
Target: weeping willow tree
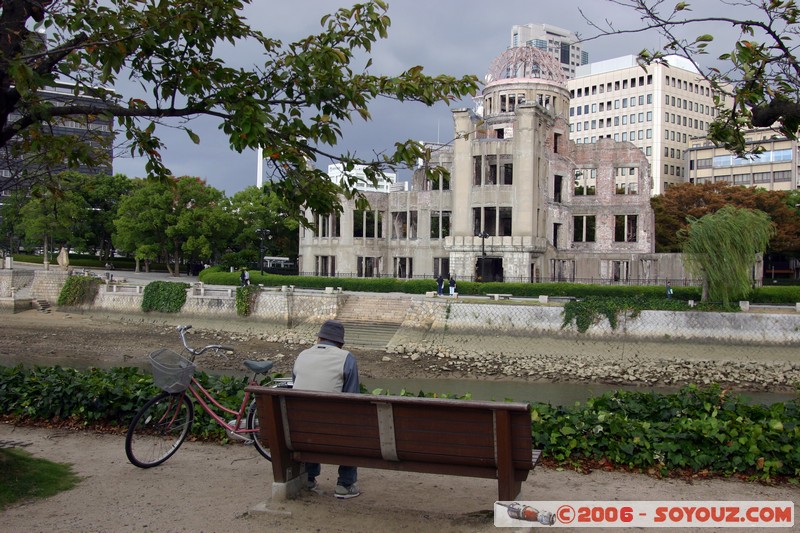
x,y
722,248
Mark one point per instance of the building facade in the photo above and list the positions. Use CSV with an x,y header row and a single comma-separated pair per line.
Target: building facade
x,y
561,44
660,109
18,168
775,168
521,202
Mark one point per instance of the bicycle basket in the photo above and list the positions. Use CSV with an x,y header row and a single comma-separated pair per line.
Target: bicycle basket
x,y
171,372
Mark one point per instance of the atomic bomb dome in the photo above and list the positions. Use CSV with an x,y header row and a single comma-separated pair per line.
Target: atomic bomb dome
x,y
525,62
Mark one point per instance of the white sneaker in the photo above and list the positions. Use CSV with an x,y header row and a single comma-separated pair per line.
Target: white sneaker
x,y
345,493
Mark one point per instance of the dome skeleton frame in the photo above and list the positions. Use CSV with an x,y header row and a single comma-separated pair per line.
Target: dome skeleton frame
x,y
525,62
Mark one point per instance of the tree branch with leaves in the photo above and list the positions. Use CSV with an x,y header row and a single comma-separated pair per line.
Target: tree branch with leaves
x,y
757,80
293,104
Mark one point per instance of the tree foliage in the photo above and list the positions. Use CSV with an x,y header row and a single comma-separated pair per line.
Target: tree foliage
x,y
759,72
673,208
292,104
257,209
722,249
102,194
181,218
54,214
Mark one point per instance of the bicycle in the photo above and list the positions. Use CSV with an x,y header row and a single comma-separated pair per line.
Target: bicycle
x,y
163,423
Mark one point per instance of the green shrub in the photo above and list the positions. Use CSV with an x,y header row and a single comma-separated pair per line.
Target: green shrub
x,y
47,393
164,296
102,397
245,298
78,290
694,429
591,309
776,294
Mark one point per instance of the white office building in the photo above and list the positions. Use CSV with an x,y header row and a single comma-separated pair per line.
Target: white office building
x,y
336,173
660,109
559,43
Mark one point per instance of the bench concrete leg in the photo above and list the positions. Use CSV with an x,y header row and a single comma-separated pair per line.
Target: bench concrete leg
x,y
291,489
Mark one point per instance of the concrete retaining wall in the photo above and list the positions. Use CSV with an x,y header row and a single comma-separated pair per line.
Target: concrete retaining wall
x,y
14,305
515,320
16,279
292,308
47,284
286,307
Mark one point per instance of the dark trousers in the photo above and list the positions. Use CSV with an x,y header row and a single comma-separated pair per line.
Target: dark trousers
x,y
347,474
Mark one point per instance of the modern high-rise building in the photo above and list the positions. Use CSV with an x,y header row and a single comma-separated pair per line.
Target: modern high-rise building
x,y
20,167
561,44
660,108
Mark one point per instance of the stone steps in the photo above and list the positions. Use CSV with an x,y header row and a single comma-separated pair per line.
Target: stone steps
x,y
371,321
374,336
42,305
379,309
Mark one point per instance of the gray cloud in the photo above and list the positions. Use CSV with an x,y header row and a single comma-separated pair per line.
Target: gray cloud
x,y
453,37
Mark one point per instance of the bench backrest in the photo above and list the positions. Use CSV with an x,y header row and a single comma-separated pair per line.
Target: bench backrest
x,y
398,429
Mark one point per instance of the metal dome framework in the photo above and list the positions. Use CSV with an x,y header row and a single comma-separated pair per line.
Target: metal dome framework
x,y
526,62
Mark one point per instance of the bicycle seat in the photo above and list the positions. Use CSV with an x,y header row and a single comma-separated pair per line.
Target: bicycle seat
x,y
259,367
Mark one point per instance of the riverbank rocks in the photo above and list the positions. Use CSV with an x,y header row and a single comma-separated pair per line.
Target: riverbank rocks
x,y
754,376
582,360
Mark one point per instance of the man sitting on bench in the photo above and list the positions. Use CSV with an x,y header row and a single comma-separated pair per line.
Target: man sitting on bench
x,y
325,367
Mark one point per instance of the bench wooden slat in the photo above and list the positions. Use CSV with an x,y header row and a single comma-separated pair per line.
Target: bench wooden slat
x,y
453,437
487,472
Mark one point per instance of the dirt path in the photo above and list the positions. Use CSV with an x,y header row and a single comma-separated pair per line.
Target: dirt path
x,y
212,488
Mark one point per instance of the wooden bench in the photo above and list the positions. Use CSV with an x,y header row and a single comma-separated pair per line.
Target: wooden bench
x,y
429,435
500,296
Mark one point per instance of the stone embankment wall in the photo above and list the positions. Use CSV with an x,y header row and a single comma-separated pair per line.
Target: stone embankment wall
x,y
283,306
441,317
46,284
16,279
516,320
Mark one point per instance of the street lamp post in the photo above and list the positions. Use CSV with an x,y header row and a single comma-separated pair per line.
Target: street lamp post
x,y
483,235
263,233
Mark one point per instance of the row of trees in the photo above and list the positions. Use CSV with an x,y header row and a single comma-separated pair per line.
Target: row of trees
x,y
179,220
681,203
185,220
721,229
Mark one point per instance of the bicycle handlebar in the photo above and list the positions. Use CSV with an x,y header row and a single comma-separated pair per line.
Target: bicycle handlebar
x,y
198,351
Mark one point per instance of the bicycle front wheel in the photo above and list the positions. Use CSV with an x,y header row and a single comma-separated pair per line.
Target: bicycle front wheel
x,y
159,429
252,423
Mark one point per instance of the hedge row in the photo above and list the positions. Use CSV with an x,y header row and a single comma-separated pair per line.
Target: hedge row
x,y
694,429
218,276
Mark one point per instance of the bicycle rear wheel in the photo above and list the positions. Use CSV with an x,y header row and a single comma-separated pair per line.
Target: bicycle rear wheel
x,y
252,423
159,429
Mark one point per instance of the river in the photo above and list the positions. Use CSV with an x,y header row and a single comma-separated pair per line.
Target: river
x,y
562,393
553,393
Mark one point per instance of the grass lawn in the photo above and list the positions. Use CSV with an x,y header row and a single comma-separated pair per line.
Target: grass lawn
x,y
23,476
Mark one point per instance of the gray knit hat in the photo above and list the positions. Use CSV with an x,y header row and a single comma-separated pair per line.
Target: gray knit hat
x,y
332,330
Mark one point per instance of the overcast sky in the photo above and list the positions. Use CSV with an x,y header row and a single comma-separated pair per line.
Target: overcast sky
x,y
454,37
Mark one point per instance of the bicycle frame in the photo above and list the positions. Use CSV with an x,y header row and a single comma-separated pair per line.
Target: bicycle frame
x,y
203,396
199,393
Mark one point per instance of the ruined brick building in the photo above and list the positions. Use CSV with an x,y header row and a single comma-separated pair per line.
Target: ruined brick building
x,y
521,203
